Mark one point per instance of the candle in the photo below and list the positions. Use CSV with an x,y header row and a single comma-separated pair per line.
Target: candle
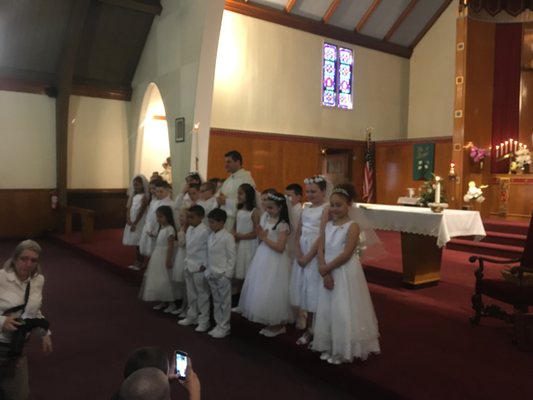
x,y
506,147
497,151
437,190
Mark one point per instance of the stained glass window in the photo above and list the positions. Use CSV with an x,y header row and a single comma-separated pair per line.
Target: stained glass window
x,y
337,74
345,78
329,75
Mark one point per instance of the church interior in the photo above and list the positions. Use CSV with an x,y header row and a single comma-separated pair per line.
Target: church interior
x,y
430,107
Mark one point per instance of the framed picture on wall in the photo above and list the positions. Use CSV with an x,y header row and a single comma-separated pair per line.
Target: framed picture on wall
x,y
180,130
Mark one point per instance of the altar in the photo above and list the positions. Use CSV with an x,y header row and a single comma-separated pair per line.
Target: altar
x,y
423,235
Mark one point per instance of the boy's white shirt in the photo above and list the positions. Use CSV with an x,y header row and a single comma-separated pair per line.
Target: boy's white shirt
x,y
221,254
208,205
196,247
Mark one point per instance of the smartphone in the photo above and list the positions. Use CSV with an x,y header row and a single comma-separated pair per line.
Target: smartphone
x,y
181,360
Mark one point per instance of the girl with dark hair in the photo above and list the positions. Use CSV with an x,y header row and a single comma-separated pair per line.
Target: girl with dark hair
x,y
139,197
245,232
265,294
346,326
157,285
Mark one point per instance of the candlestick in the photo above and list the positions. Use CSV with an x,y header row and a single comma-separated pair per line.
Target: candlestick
x,y
497,151
437,190
506,147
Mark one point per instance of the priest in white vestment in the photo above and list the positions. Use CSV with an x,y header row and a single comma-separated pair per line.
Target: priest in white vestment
x,y
227,197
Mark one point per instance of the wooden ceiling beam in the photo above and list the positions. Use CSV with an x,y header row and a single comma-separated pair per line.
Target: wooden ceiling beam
x,y
430,23
155,9
330,11
364,19
289,6
65,73
400,19
102,90
316,27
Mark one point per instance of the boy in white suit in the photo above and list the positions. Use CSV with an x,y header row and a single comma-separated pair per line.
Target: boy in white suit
x,y
220,268
195,265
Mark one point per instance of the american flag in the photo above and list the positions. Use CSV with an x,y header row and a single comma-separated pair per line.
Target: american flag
x,y
368,179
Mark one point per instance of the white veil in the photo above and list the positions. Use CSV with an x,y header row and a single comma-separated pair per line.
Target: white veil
x,y
370,245
146,187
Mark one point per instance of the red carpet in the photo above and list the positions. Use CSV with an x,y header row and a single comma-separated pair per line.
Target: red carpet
x,y
429,350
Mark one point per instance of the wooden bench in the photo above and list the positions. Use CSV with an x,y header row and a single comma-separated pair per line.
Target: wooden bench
x,y
87,221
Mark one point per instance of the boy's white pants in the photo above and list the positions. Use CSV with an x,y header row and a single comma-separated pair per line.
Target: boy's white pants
x,y
220,287
197,297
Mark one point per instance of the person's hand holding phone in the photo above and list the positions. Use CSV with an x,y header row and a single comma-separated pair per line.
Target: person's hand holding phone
x,y
183,372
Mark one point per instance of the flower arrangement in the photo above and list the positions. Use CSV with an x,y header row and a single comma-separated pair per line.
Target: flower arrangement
x,y
477,154
474,193
427,193
522,157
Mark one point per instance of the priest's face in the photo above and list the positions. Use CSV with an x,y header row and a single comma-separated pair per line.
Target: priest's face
x,y
231,165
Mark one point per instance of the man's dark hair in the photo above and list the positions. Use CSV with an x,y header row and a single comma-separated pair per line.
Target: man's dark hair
x,y
296,188
197,210
218,215
234,155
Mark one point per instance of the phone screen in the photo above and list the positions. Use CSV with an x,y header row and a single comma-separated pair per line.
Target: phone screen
x,y
181,364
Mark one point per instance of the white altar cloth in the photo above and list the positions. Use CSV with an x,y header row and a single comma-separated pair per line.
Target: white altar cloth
x,y
423,221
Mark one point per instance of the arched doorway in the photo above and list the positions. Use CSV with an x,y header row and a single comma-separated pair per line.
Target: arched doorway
x,y
152,139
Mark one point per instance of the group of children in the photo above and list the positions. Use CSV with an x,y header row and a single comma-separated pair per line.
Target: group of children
x,y
288,261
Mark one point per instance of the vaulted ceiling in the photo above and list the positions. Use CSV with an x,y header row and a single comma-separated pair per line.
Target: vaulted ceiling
x,y
95,45
392,26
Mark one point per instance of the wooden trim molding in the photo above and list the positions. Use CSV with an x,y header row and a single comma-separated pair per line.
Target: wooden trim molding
x,y
318,28
282,137
96,89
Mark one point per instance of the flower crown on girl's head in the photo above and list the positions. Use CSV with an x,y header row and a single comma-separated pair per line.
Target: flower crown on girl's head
x,y
273,196
342,191
314,179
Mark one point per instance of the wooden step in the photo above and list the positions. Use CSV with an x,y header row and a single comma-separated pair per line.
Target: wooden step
x,y
511,227
485,248
509,239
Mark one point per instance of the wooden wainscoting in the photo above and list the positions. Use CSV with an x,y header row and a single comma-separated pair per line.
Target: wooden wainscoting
x,y
109,205
25,213
394,166
277,160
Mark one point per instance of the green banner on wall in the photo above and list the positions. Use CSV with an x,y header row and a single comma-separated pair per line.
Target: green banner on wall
x,y
423,156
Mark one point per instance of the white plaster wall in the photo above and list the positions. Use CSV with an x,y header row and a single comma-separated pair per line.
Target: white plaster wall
x,y
28,150
268,79
432,79
97,144
177,59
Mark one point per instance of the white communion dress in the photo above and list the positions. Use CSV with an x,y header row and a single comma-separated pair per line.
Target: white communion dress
x,y
306,281
133,238
245,248
157,284
265,293
346,326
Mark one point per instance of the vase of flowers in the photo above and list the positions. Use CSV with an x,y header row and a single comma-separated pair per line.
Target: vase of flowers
x,y
523,159
477,154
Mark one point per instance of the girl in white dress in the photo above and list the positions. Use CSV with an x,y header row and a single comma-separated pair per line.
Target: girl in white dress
x,y
145,243
345,323
178,268
247,221
135,215
157,284
265,293
305,278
